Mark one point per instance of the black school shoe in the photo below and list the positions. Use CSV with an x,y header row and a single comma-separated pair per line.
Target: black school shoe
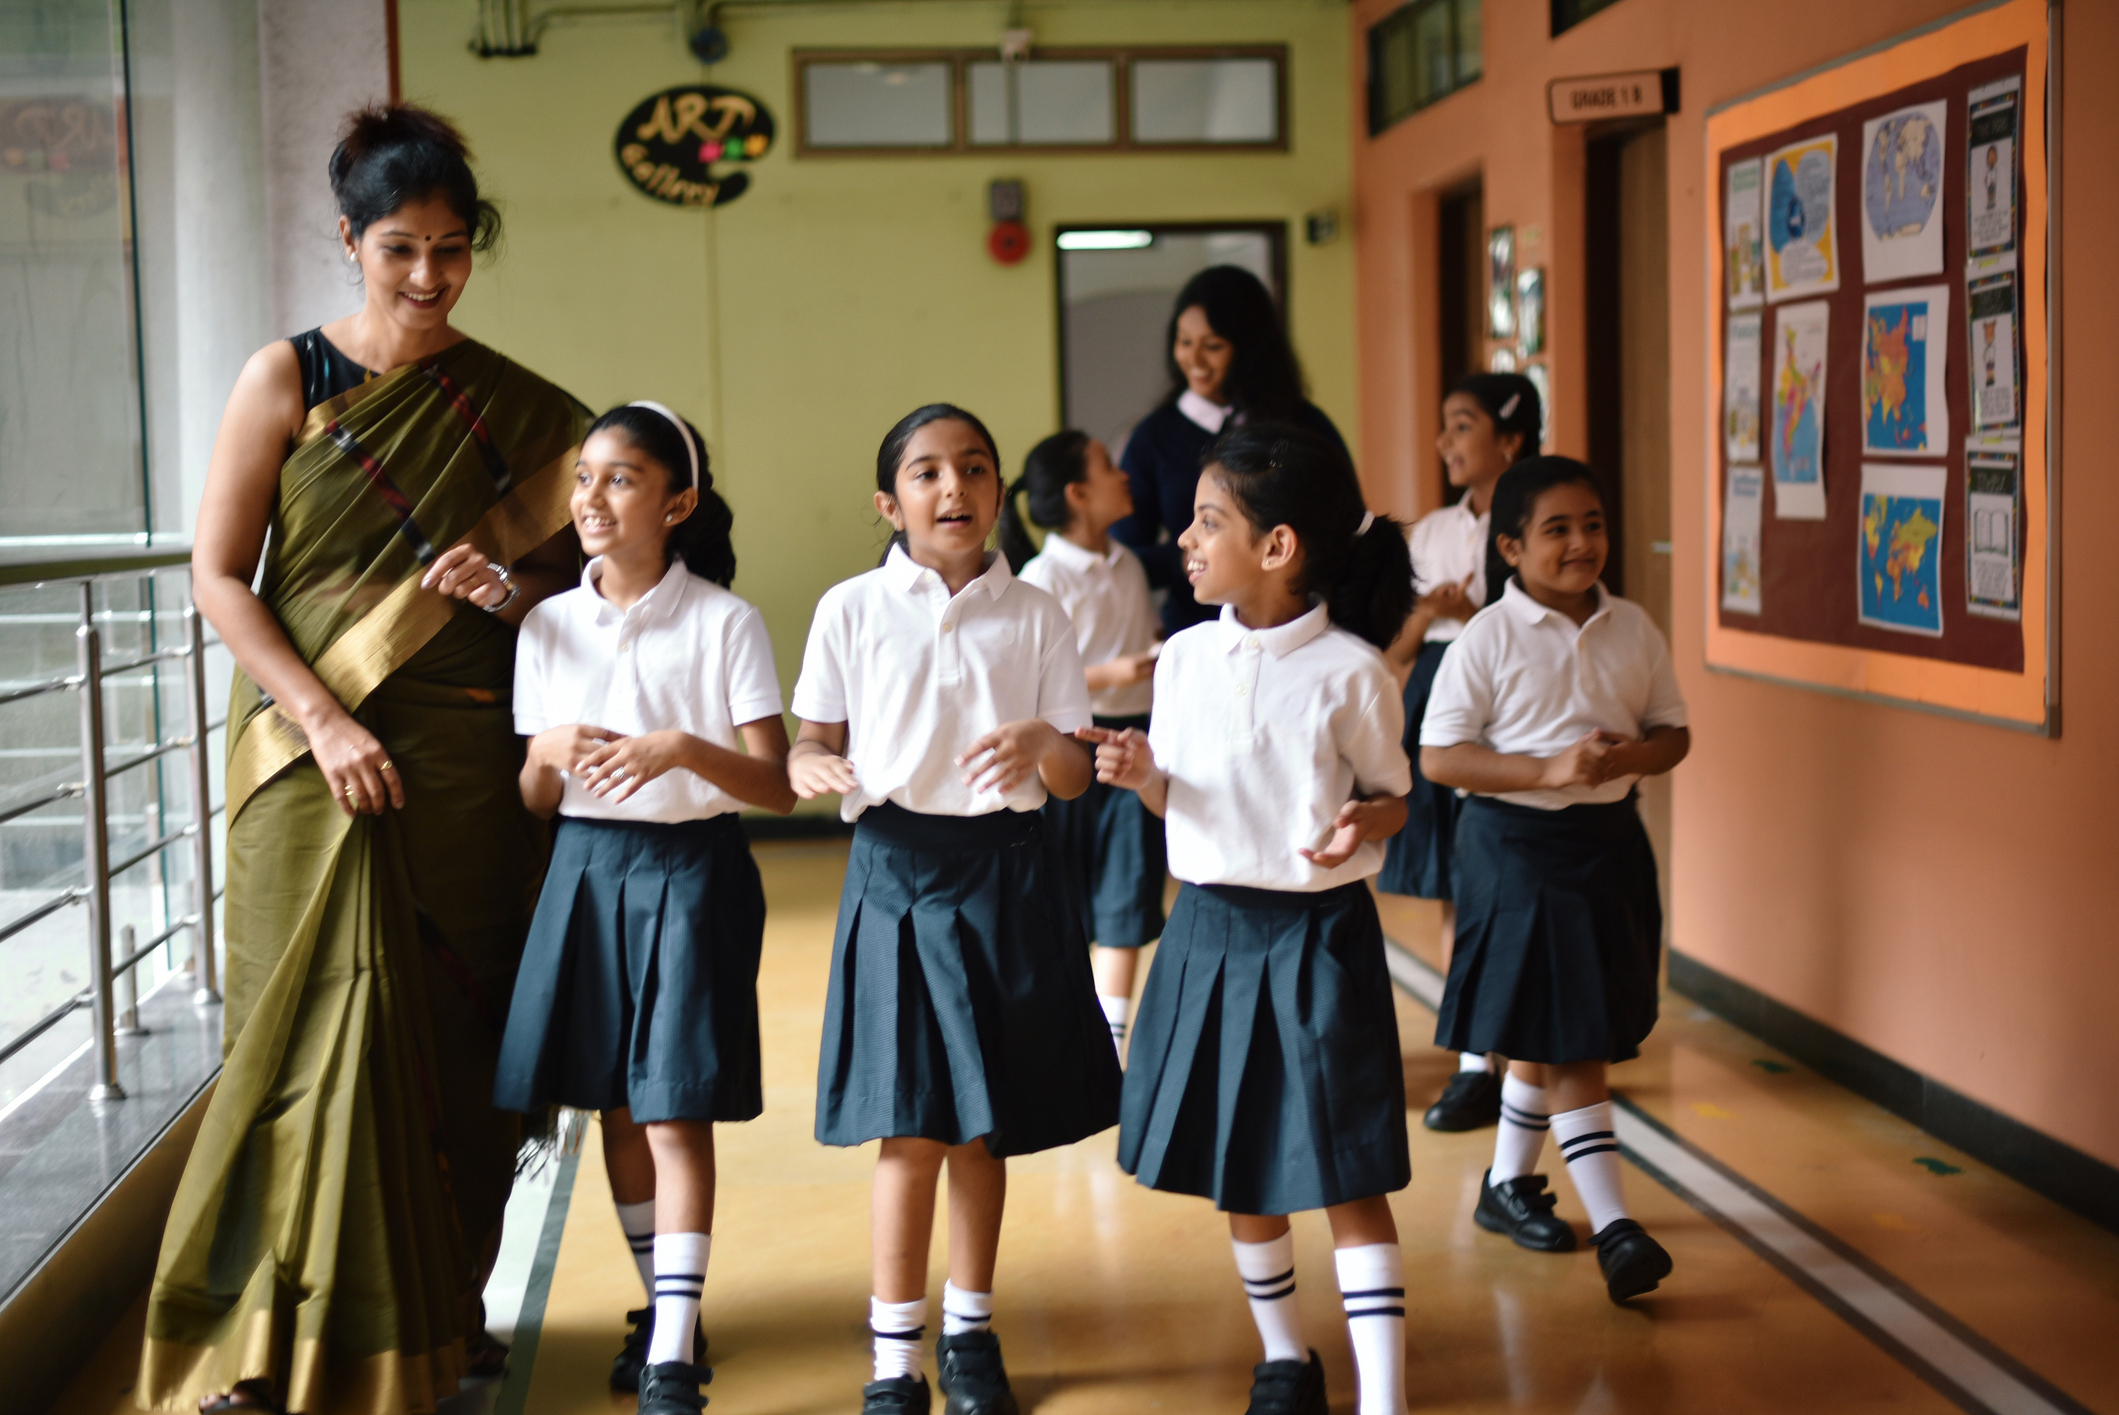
x,y
1288,1387
1471,1101
631,1359
1633,1263
672,1388
972,1376
900,1395
1522,1209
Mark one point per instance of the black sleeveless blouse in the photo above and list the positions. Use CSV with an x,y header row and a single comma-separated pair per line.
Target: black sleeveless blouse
x,y
326,371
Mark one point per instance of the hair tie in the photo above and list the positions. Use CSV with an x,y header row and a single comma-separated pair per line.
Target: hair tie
x,y
684,433
1368,518
1508,409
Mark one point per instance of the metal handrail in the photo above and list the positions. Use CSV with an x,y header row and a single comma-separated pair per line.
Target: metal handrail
x,y
112,995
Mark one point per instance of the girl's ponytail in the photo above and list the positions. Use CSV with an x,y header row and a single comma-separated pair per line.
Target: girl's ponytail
x,y
1356,562
1052,466
1014,535
702,540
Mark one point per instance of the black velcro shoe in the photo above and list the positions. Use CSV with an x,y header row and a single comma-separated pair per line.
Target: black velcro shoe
x,y
1522,1209
672,1388
1288,1388
1633,1263
631,1359
900,1395
972,1376
1471,1101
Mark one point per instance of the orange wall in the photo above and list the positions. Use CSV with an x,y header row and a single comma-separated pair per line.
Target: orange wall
x,y
1947,893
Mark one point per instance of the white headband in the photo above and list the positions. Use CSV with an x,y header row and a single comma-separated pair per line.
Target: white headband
x,y
691,448
1368,518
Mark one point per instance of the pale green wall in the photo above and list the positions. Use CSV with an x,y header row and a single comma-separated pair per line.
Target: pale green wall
x,y
797,323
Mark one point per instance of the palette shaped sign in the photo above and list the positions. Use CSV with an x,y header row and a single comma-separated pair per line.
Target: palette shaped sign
x,y
668,145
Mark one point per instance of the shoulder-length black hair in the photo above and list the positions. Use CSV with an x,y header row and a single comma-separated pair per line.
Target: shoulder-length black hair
x,y
1283,475
701,539
1053,465
1516,499
1265,378
892,452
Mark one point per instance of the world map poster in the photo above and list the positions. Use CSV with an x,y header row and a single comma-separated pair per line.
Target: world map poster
x,y
1901,193
1904,354
1898,555
1798,433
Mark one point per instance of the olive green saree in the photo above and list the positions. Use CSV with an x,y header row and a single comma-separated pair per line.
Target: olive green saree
x,y
351,1171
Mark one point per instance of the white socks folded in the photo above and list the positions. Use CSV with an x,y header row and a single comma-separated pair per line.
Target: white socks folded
x,y
965,1311
1372,1284
1590,1146
1116,1010
898,1328
1473,1061
1268,1273
638,1221
1521,1132
680,1275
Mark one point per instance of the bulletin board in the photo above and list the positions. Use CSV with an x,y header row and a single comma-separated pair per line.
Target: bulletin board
x,y
1878,355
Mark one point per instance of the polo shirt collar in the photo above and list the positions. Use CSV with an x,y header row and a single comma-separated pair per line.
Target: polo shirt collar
x,y
1529,611
904,573
1208,414
660,602
1067,553
1280,640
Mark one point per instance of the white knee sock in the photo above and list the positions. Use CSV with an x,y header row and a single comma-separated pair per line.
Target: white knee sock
x,y
638,1221
1590,1146
680,1275
1521,1132
1268,1273
965,1311
898,1328
1372,1284
1116,1010
1473,1061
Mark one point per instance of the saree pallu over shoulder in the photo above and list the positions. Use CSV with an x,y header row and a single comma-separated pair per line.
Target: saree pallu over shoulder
x,y
350,1172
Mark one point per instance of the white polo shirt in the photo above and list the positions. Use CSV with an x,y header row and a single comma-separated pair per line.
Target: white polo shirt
x,y
918,676
1524,680
1107,598
1447,545
688,656
1265,734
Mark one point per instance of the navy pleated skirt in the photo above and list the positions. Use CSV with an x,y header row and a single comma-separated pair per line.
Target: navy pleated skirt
x,y
960,1004
1265,1072
1113,846
639,982
1416,860
1559,933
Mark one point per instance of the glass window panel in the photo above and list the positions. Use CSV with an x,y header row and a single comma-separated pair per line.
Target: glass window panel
x,y
867,104
1206,100
1422,52
1470,36
1434,56
1056,101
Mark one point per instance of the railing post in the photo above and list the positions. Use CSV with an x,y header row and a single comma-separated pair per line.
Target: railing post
x,y
128,990
95,857
201,807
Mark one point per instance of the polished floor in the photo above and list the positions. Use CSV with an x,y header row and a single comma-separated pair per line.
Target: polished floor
x,y
1830,1257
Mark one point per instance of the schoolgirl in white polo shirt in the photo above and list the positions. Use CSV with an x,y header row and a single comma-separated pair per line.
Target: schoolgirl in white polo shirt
x,y
1265,1072
1554,702
652,707
1114,847
937,697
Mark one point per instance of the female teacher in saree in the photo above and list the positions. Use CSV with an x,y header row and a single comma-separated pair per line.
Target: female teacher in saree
x,y
406,488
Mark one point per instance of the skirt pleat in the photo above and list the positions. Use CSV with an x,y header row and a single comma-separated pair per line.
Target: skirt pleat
x,y
1265,1071
1416,861
639,985
1559,933
1115,857
960,1004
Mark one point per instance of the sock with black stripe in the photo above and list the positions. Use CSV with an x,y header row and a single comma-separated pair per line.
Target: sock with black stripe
x,y
965,1311
1372,1284
638,1221
898,1328
1520,1136
1590,1146
1268,1273
680,1276
1116,1010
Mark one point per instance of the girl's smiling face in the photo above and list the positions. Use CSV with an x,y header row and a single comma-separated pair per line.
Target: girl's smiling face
x,y
622,503
948,491
1564,544
1473,453
1226,557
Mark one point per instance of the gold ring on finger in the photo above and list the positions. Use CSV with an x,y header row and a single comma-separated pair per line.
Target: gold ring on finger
x,y
350,795
387,766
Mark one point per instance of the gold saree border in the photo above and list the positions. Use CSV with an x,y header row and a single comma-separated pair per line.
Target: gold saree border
x,y
177,1376
384,639
331,409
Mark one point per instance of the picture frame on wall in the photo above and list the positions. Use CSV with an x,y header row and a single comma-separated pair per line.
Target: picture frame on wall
x,y
1530,313
1501,283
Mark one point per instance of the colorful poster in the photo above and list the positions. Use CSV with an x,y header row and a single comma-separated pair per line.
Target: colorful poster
x,y
1990,319
1799,411
1501,283
1740,390
1742,520
1530,313
1898,556
1901,193
1743,236
1993,514
1802,222
1990,181
1904,354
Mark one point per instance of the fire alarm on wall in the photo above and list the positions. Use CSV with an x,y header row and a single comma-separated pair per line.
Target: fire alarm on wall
x,y
1009,240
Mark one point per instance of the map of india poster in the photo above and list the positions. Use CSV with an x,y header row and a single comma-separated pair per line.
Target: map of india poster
x,y
1898,554
1798,432
1904,353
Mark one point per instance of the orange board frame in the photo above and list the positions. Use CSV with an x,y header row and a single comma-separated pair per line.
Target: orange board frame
x,y
2027,700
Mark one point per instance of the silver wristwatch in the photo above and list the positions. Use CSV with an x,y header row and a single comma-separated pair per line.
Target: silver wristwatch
x,y
506,579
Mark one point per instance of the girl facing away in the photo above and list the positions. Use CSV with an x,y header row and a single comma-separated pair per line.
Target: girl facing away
x,y
1265,1072
936,699
1555,700
1490,421
652,707
1113,846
